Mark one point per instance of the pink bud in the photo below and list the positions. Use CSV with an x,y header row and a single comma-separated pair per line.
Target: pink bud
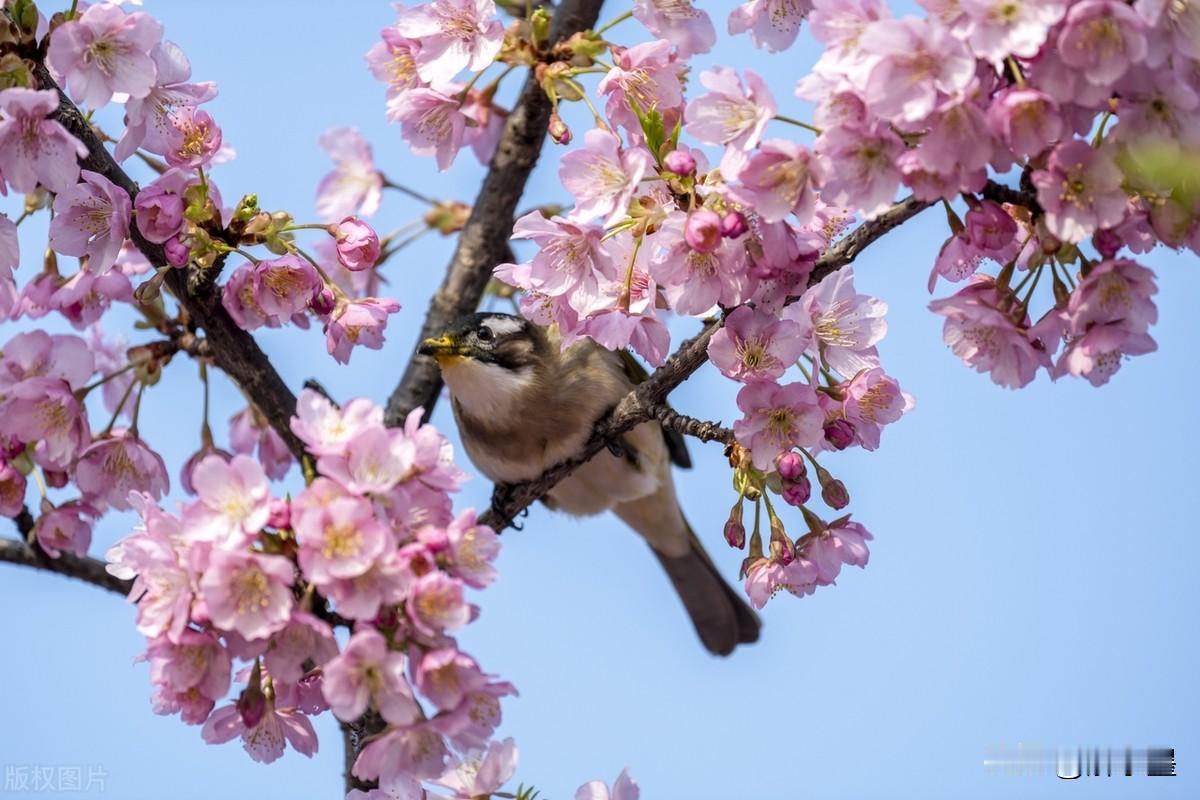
x,y
176,251
558,130
1107,242
323,302
734,224
703,231
834,493
735,531
252,705
840,433
280,513
10,447
54,478
790,466
357,244
680,162
796,493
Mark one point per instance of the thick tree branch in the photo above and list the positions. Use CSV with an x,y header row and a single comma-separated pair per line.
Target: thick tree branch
x,y
233,350
83,568
640,404
483,243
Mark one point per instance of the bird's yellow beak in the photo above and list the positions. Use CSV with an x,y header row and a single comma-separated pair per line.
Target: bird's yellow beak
x,y
444,348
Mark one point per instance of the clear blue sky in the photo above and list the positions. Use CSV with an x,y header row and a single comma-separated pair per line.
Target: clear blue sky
x,y
1031,580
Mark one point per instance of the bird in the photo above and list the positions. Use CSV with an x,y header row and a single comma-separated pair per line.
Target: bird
x,y
523,403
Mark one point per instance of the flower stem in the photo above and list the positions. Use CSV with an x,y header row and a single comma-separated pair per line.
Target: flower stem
x,y
87,389
137,409
627,287
413,193
611,23
117,413
1018,76
799,124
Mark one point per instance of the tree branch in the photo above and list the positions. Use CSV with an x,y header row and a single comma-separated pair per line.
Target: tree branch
x,y
84,568
641,404
690,426
483,242
233,350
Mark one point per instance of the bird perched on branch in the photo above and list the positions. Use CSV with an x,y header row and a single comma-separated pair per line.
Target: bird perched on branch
x,y
523,404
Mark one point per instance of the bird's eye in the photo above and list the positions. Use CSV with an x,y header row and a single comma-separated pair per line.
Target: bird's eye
x,y
485,333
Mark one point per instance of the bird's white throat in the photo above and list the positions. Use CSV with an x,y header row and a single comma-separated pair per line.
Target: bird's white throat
x,y
487,391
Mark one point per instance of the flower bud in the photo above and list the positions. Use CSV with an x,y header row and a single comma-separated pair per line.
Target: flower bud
x,y
558,129
783,552
790,466
734,224
251,706
735,531
796,493
177,252
54,478
834,494
1107,242
703,231
357,244
279,513
323,302
840,433
680,162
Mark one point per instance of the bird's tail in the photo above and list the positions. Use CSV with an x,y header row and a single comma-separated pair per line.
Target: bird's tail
x,y
720,615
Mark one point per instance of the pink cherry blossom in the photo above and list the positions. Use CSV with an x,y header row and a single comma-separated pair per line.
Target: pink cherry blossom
x,y
354,186
1114,291
602,177
191,674
569,260
730,114
777,418
695,280
392,60
985,337
148,118
996,29
12,491
46,413
777,180
753,346
193,139
248,431
445,676
845,326
110,469
66,527
265,740
918,61
1101,40
861,167
481,777
159,206
37,354
361,597
1026,120
86,296
473,548
1097,354
367,672
326,429
624,787
772,24
1080,190
357,244
33,147
247,592
374,460
91,219
436,603
644,77
679,22
357,323
104,51
342,542
432,123
163,584
403,754
872,400
472,724
454,35
304,638
233,500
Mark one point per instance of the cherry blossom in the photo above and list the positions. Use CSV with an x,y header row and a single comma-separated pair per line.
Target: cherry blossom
x,y
34,148
678,21
91,219
454,35
772,24
104,51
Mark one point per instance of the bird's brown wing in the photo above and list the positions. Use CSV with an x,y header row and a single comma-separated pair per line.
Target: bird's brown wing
x,y
676,444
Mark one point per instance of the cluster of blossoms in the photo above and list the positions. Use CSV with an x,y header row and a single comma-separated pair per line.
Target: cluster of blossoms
x,y
372,543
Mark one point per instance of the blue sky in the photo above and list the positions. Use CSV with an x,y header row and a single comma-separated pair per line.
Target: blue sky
x,y
1030,580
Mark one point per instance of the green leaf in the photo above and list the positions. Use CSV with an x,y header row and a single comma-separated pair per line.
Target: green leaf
x,y
652,128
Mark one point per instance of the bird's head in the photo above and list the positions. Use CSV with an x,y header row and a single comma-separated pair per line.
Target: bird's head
x,y
489,360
